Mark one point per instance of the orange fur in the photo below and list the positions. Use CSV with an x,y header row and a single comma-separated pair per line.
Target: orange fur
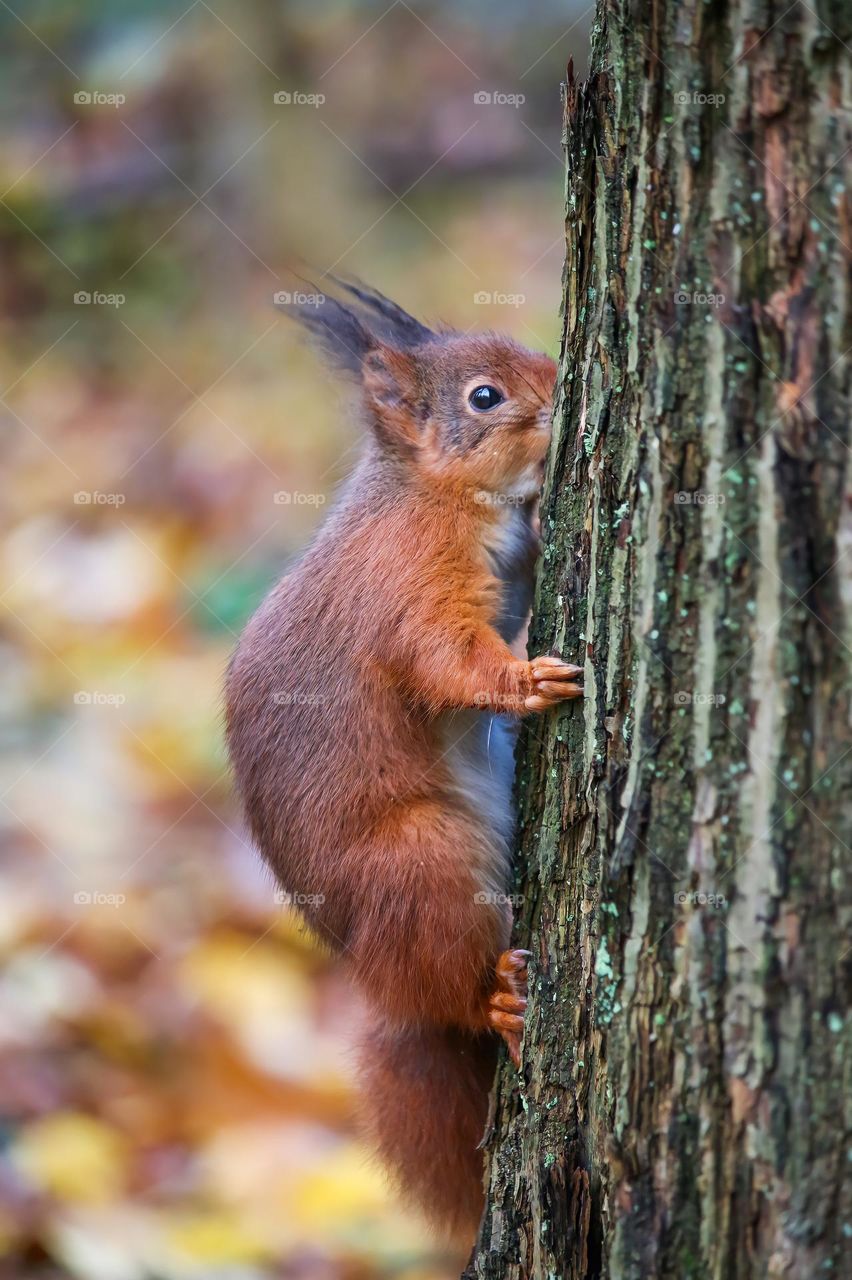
x,y
424,1102
353,706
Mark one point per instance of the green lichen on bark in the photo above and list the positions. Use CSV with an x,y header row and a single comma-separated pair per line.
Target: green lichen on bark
x,y
684,831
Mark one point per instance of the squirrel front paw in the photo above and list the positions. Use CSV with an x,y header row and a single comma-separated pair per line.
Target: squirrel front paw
x,y
554,681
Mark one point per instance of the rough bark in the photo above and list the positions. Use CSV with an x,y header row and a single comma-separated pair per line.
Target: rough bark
x,y
684,830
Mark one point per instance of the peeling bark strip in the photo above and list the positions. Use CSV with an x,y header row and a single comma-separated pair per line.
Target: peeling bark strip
x,y
680,1111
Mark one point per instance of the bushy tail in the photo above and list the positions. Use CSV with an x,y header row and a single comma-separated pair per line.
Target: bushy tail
x,y
424,1104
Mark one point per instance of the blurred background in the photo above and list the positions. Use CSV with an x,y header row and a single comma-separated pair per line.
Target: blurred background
x,y
174,1075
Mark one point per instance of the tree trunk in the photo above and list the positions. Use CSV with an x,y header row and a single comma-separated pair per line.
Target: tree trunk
x,y
680,1107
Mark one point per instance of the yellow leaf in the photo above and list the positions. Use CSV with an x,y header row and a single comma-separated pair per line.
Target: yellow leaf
x,y
348,1187
73,1156
216,1238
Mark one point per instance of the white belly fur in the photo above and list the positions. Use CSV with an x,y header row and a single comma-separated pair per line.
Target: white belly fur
x,y
479,750
480,747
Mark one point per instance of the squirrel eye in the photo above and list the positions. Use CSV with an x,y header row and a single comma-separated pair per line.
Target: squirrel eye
x,y
484,398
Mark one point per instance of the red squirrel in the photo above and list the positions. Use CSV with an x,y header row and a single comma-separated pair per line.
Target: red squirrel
x,y
371,708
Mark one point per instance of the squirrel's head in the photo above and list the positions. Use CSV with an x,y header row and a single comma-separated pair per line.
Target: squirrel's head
x,y
467,410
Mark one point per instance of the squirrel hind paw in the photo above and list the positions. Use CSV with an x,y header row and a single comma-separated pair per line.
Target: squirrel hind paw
x,y
508,1001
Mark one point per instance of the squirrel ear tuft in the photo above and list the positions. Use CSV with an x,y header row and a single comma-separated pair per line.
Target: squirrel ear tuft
x,y
338,331
385,319
393,397
347,330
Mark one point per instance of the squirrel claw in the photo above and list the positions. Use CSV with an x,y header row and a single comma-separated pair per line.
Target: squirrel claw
x,y
512,964
510,1026
501,1000
554,681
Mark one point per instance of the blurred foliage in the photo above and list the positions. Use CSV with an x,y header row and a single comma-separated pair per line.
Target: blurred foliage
x,y
175,1079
